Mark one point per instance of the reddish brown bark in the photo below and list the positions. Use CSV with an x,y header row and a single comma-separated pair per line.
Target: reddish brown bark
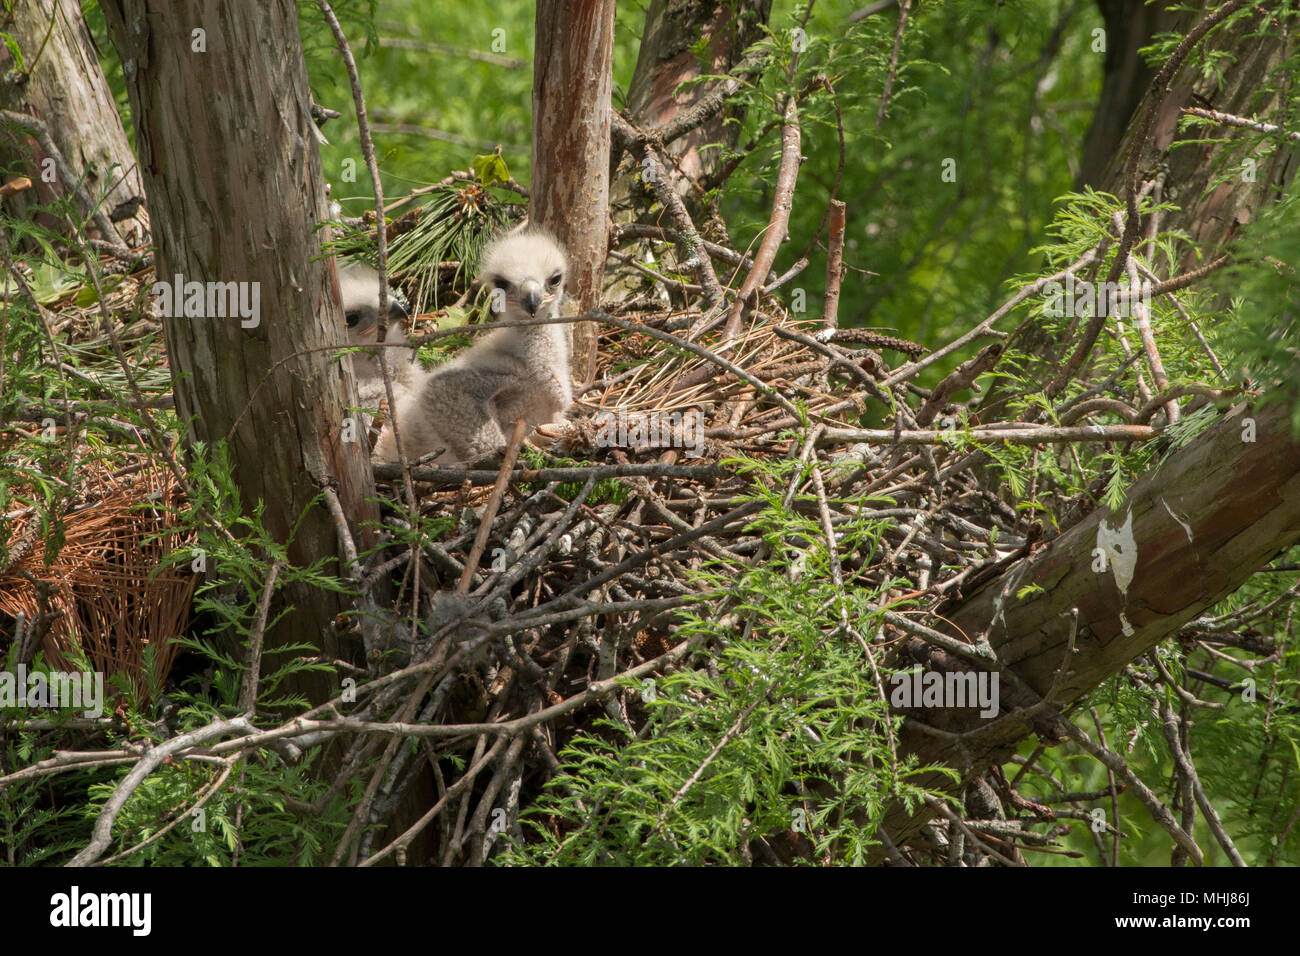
x,y
572,84
667,58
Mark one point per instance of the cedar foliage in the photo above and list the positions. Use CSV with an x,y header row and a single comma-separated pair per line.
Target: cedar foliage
x,y
764,733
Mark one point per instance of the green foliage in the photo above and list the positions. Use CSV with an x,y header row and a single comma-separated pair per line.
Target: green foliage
x,y
1083,221
606,490
780,727
239,558
1245,753
972,87
1263,336
479,103
455,224
255,819
32,832
36,828
256,814
491,169
15,52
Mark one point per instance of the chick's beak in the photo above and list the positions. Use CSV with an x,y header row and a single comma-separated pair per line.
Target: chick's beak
x,y
532,297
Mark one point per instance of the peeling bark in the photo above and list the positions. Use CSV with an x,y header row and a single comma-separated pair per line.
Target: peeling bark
x,y
1199,525
65,89
572,85
667,58
235,192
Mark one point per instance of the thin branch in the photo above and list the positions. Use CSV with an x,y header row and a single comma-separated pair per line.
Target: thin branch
x,y
38,131
834,266
1228,119
904,7
102,833
248,687
656,173
1159,812
778,222
490,512
991,434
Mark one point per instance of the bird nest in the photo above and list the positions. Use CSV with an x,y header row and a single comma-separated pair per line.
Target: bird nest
x,y
549,585
655,476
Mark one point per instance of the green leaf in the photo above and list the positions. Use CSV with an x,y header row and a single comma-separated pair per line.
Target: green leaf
x,y
491,169
20,64
51,282
85,296
454,318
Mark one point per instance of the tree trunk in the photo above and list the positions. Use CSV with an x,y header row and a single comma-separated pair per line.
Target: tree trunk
x,y
1210,218
61,84
235,190
667,58
572,83
1202,523
1125,76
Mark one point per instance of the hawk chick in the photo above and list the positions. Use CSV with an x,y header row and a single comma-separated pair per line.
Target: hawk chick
x,y
359,296
466,409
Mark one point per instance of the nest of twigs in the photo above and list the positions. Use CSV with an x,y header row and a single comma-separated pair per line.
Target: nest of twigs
x,y
549,589
589,560
667,426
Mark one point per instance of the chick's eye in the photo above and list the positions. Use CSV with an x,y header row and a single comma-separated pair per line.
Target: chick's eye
x,y
500,283
352,319
554,281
